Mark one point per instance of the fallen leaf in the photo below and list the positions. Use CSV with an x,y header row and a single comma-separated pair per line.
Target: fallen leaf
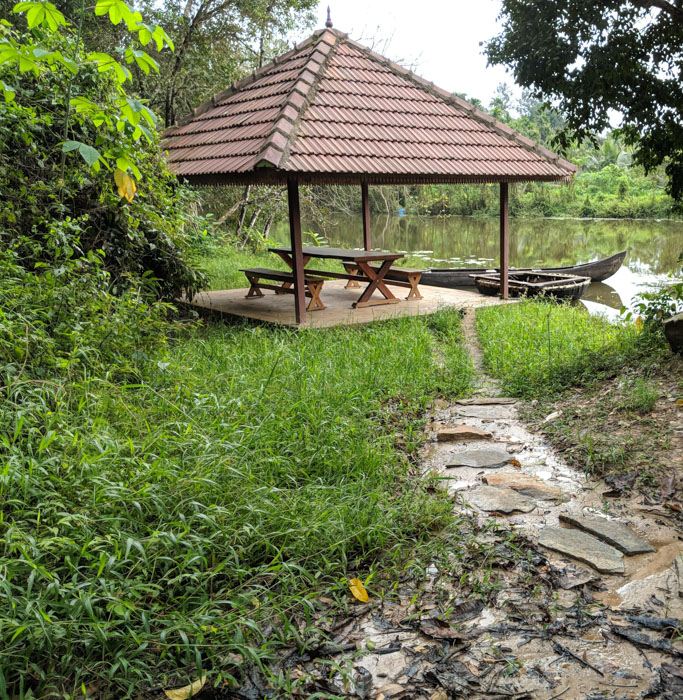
x,y
437,632
358,590
438,695
186,692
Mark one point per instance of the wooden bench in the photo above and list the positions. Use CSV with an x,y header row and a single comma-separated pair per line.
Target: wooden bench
x,y
314,285
397,276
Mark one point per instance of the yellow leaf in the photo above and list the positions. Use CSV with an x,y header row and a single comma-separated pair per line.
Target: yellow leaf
x,y
679,402
125,185
119,176
358,589
186,692
639,322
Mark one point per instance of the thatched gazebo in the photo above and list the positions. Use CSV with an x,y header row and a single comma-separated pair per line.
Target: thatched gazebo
x,y
333,111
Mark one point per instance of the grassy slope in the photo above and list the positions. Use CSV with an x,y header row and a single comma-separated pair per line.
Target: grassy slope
x,y
166,523
609,385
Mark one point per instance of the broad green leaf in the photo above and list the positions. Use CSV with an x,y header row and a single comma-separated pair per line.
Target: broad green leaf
x,y
41,13
8,91
89,154
161,38
68,146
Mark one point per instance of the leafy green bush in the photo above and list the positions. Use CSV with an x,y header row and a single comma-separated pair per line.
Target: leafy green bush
x,y
41,184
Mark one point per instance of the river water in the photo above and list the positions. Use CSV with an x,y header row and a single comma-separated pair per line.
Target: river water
x,y
653,246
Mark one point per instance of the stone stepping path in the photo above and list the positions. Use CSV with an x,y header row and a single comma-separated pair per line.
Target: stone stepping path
x,y
596,541
584,547
486,401
462,433
610,531
490,458
500,500
526,484
487,411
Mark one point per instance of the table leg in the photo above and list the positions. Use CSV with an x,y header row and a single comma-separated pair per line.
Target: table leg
x,y
287,258
352,269
376,283
316,303
414,291
254,290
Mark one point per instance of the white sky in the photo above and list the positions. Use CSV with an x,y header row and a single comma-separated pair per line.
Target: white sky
x,y
440,37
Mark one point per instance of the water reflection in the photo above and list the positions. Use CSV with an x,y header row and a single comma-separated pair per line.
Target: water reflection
x,y
653,246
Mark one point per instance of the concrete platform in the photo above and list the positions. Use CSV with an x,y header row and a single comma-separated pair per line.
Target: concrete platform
x,y
279,308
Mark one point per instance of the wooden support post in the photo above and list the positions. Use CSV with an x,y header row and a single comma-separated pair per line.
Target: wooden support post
x,y
297,253
366,215
504,240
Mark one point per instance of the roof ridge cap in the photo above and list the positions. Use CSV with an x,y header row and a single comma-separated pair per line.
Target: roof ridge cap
x,y
278,143
455,101
239,84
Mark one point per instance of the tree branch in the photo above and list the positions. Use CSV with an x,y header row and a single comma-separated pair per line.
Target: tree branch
x,y
664,6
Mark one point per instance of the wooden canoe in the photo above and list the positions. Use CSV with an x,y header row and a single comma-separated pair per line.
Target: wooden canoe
x,y
550,284
597,270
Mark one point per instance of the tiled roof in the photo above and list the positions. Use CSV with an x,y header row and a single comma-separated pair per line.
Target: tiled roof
x,y
331,110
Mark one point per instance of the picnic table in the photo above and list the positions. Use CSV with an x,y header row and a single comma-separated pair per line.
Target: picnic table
x,y
360,260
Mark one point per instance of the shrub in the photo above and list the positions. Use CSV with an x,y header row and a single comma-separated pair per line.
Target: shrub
x,y
41,184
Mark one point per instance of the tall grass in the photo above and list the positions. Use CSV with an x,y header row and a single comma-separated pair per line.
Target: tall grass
x,y
539,348
151,531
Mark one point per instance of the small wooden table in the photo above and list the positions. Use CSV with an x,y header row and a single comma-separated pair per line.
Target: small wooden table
x,y
360,259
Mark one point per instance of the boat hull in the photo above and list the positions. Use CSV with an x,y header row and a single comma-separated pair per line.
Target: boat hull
x,y
533,284
598,271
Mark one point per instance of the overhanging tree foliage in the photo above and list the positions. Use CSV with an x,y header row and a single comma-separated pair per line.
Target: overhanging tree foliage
x,y
590,58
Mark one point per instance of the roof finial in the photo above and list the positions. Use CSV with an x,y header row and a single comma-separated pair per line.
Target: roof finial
x,y
328,23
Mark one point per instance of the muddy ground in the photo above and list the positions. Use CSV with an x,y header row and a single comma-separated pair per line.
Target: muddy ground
x,y
586,616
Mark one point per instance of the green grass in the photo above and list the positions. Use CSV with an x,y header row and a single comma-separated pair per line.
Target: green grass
x,y
539,348
151,529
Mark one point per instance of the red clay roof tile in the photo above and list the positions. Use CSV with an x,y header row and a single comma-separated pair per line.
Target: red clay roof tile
x,y
333,107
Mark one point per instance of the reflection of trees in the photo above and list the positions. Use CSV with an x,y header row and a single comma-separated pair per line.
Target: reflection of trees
x,y
653,246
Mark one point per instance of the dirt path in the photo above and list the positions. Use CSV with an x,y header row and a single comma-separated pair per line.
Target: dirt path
x,y
554,626
527,621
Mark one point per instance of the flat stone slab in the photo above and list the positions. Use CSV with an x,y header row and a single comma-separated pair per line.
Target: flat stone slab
x,y
487,411
485,401
462,433
489,458
678,570
584,547
525,484
611,531
491,498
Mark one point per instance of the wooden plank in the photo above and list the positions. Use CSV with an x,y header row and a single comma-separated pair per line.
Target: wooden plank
x,y
296,249
504,240
365,202
341,254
